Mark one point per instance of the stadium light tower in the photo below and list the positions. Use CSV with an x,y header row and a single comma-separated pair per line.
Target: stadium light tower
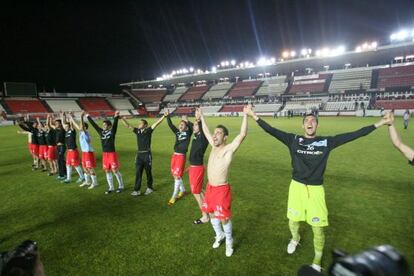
x,y
233,62
214,69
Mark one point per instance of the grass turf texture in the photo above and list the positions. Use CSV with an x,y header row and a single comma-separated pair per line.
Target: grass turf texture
x,y
369,190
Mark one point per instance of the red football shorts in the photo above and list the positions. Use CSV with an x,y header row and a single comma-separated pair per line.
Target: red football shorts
x,y
51,153
88,160
43,152
34,149
110,161
72,158
177,164
217,200
196,176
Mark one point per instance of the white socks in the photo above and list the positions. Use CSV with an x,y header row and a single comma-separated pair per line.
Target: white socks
x,y
110,181
118,176
182,188
217,227
87,178
176,188
79,171
94,180
228,229
68,172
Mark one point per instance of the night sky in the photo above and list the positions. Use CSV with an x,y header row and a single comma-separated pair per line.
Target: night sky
x,y
79,46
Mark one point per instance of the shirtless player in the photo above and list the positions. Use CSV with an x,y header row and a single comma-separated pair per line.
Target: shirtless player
x,y
217,199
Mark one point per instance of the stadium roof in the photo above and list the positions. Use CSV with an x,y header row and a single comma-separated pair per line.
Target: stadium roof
x,y
381,55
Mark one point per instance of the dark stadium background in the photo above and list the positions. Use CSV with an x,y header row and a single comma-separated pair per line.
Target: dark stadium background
x,y
92,46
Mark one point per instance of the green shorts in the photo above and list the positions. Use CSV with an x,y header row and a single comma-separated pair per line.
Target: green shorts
x,y
307,203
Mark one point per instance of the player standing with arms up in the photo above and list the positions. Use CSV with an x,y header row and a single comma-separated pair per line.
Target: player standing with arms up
x,y
143,159
72,154
309,153
88,155
51,147
182,141
217,200
60,143
110,161
33,141
196,170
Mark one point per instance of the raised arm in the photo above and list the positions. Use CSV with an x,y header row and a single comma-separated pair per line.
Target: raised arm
x,y
154,125
205,129
125,123
396,141
235,144
344,138
73,122
170,124
82,125
24,126
23,132
95,126
284,137
115,124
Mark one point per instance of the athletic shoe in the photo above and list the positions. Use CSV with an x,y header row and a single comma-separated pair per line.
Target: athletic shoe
x,y
291,248
61,177
91,187
148,191
108,192
316,267
84,184
218,241
172,201
181,195
229,249
120,190
80,179
136,193
66,181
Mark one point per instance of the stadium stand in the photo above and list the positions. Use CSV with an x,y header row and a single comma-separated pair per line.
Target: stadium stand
x,y
65,105
96,106
178,92
351,79
261,108
232,108
25,105
121,103
273,86
218,91
303,105
184,110
194,93
343,105
244,89
211,109
396,76
395,104
149,95
309,84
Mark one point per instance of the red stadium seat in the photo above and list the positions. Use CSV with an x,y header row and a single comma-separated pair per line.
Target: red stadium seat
x,y
232,108
401,76
96,106
395,104
150,95
26,106
194,93
244,89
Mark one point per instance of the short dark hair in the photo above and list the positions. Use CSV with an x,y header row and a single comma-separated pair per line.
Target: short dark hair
x,y
58,121
225,130
308,115
144,121
109,123
185,122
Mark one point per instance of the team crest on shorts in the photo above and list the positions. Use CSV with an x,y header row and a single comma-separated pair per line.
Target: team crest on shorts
x,y
315,219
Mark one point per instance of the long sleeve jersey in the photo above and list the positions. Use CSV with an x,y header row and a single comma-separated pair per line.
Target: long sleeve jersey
x,y
309,156
107,136
182,138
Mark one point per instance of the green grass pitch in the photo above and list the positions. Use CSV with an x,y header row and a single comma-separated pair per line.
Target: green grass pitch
x,y
369,191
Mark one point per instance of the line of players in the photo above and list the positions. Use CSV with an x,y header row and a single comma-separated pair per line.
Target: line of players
x,y
309,153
